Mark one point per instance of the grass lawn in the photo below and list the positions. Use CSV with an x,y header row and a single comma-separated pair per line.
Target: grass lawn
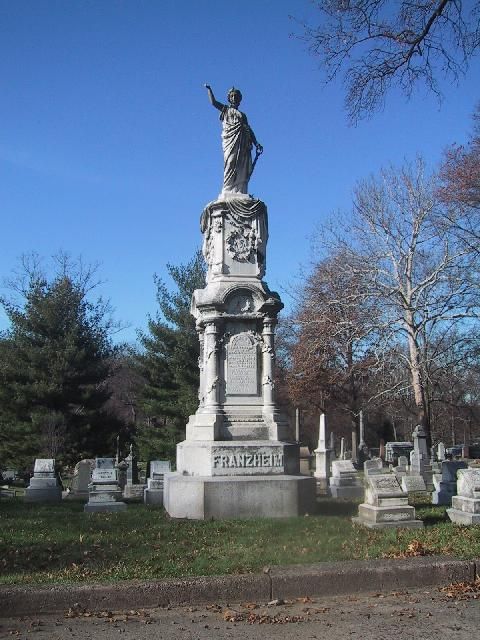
x,y
59,543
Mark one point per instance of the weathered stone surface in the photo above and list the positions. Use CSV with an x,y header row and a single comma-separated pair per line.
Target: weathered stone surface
x,y
243,497
466,505
44,465
44,485
373,466
413,484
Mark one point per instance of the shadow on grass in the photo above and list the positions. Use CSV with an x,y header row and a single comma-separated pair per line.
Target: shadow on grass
x,y
331,507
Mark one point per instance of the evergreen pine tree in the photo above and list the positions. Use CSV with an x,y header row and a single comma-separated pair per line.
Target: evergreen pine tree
x,y
54,366
168,363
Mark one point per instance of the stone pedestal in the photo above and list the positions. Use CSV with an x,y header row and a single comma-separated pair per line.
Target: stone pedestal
x,y
153,494
237,433
105,493
446,487
345,481
386,505
44,486
466,505
420,463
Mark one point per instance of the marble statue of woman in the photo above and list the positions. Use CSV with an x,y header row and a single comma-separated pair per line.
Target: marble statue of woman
x,y
237,141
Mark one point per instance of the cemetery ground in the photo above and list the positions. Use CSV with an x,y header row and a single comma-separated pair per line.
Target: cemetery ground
x,y
60,544
422,614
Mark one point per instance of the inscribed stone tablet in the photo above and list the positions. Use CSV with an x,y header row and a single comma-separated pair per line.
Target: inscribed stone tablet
x,y
104,475
375,464
242,365
411,484
44,465
159,467
342,466
384,485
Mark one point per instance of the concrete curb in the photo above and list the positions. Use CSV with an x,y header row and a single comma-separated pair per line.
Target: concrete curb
x,y
322,579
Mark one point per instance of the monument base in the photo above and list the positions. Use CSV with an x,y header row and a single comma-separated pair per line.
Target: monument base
x,y
221,497
153,497
49,494
464,510
355,491
462,517
104,507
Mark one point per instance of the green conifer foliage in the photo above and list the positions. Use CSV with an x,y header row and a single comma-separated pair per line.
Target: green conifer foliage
x,y
54,366
169,363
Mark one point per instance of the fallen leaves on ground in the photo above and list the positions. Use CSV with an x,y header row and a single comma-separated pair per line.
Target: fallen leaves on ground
x,y
231,615
462,590
414,549
81,612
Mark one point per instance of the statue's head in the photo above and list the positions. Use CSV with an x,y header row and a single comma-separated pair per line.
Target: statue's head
x,y
234,97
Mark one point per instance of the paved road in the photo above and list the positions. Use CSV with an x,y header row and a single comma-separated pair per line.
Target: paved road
x,y
416,614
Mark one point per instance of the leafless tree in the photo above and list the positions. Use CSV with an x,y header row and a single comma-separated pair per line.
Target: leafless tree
x,y
375,44
414,272
332,363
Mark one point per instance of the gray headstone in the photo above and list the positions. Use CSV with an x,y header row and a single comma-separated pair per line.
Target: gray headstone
x,y
411,484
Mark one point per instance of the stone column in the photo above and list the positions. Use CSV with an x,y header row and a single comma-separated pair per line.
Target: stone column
x,y
362,443
267,364
297,425
211,380
354,447
201,365
322,459
342,448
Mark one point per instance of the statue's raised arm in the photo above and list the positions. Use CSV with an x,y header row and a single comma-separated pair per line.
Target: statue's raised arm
x,y
211,97
237,140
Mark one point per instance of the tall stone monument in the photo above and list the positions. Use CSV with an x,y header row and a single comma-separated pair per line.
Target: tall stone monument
x,y
236,460
322,458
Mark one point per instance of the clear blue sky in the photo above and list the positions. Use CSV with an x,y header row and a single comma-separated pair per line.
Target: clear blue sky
x,y
110,149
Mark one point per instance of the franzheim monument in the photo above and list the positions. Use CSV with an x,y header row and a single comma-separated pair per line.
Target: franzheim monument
x,y
236,460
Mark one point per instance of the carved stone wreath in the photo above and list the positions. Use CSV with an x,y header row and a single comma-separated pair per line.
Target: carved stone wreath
x,y
240,246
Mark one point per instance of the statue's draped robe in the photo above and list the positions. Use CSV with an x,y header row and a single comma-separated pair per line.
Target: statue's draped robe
x,y
237,146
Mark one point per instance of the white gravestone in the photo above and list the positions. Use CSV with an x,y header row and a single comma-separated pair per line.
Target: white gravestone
x,y
466,505
386,505
345,481
104,491
81,479
153,494
44,485
373,466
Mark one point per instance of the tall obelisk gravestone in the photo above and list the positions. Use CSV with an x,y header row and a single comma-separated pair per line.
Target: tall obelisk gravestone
x,y
235,460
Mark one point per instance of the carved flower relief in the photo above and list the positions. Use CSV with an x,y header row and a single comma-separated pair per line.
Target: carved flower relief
x,y
241,243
